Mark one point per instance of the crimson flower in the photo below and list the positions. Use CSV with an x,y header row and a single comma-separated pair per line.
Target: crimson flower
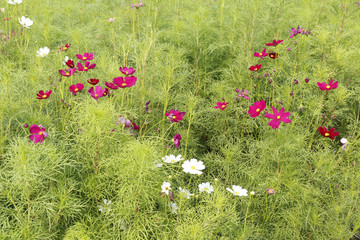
x,y
175,116
76,88
93,81
273,55
43,95
128,82
330,134
255,110
106,92
67,73
274,43
221,105
70,63
255,68
97,92
66,47
111,85
332,85
177,139
261,55
37,133
278,117
127,71
86,56
86,66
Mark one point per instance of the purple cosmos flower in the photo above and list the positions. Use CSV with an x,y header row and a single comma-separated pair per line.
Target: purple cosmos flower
x,y
38,133
175,116
243,94
278,117
128,82
177,139
68,73
86,56
111,85
76,88
332,85
86,66
97,92
127,71
270,190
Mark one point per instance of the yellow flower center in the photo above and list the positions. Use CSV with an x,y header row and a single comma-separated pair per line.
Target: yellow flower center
x,y
44,96
172,160
174,117
43,54
85,68
193,167
65,48
328,87
40,133
222,106
278,117
327,134
236,193
206,189
84,58
96,95
255,69
166,188
76,89
126,73
124,84
258,110
260,54
67,74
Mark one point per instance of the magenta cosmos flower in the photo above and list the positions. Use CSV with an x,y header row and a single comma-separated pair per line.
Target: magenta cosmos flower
x,y
96,93
76,88
328,133
124,83
127,71
67,73
261,55
86,56
175,116
177,139
332,85
221,105
255,68
111,85
278,117
86,66
274,42
37,133
255,110
243,94
43,95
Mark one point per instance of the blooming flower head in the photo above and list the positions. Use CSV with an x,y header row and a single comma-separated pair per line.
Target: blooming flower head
x,y
278,117
332,85
173,207
298,30
67,73
42,52
97,92
111,85
137,5
255,110
37,133
106,207
111,19
243,94
328,133
69,62
261,55
93,81
43,95
255,68
193,166
344,143
270,191
237,191
307,80
76,88
221,105
185,193
87,66
274,42
14,2
66,47
25,22
175,116
165,187
177,139
157,165
86,56
206,187
172,159
273,55
127,71
125,83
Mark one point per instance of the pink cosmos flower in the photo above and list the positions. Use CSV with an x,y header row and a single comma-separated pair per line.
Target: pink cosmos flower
x,y
111,19
177,139
255,110
332,85
76,88
38,133
270,191
43,95
175,116
67,73
278,117
221,105
86,66
243,94
127,71
255,68
328,133
111,85
261,55
128,82
274,43
86,56
97,92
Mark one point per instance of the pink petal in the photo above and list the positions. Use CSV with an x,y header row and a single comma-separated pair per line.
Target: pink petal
x,y
268,115
35,129
274,123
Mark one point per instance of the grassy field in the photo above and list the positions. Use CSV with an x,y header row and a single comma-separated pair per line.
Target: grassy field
x,y
100,167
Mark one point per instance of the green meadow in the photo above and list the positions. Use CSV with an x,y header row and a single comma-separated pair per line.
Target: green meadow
x,y
267,152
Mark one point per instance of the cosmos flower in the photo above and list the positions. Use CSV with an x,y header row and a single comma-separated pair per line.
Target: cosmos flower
x,y
256,109
193,166
76,88
177,139
86,66
125,83
111,19
255,68
332,85
328,133
172,158
165,187
221,105
38,133
106,207
243,94
66,47
96,93
270,191
175,116
127,71
93,81
273,55
111,85
43,95
274,42
344,143
206,187
185,193
42,52
173,207
14,2
137,5
237,191
86,56
68,73
278,117
25,22
261,55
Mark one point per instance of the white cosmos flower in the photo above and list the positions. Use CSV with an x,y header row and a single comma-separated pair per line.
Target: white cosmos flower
x,y
158,165
2,10
173,207
165,187
343,140
185,193
66,59
238,191
26,22
206,187
42,52
172,159
193,166
14,2
105,207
